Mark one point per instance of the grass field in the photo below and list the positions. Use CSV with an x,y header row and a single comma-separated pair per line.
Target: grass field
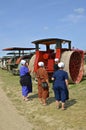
x,y
48,117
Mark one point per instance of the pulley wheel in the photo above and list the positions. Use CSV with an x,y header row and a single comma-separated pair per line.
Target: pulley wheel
x,y
73,65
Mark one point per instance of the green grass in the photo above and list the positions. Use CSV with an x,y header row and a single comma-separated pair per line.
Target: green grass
x,y
48,118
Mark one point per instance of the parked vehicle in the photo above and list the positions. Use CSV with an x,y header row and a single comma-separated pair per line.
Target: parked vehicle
x,y
13,63
55,48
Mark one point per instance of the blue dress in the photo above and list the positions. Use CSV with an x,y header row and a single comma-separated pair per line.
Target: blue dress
x,y
59,85
25,80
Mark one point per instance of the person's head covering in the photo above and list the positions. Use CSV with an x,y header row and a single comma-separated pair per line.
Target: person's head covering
x,y
23,62
41,64
56,59
61,65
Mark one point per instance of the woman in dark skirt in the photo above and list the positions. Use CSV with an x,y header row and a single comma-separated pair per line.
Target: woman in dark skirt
x,y
60,85
25,80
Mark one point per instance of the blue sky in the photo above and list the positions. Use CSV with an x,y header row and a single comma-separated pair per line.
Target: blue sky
x,y
23,21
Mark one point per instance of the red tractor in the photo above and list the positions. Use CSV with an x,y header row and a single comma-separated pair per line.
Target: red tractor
x,y
49,49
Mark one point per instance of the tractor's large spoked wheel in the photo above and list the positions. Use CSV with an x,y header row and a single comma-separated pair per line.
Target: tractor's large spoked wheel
x,y
73,65
31,65
84,70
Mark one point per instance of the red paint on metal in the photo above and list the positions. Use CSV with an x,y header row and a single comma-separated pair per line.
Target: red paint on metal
x,y
58,53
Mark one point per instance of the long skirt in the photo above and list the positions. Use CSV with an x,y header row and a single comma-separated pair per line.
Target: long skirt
x,y
26,90
61,94
26,84
43,93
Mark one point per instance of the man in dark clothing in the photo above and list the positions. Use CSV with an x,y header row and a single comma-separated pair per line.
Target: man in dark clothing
x,y
56,64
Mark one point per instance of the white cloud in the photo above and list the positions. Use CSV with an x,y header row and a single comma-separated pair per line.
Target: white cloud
x,y
79,10
76,16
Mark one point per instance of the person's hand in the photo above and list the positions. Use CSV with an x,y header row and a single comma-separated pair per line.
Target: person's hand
x,y
52,78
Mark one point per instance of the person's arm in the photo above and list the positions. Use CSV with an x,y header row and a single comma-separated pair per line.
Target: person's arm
x,y
29,70
66,81
46,77
47,81
53,77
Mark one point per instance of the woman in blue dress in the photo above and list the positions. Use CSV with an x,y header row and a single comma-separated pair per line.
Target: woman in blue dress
x,y
60,86
25,80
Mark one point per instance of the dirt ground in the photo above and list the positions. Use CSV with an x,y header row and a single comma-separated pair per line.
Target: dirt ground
x,y
9,118
15,114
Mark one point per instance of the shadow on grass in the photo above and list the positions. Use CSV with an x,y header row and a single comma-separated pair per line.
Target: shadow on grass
x,y
71,102
51,100
34,96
